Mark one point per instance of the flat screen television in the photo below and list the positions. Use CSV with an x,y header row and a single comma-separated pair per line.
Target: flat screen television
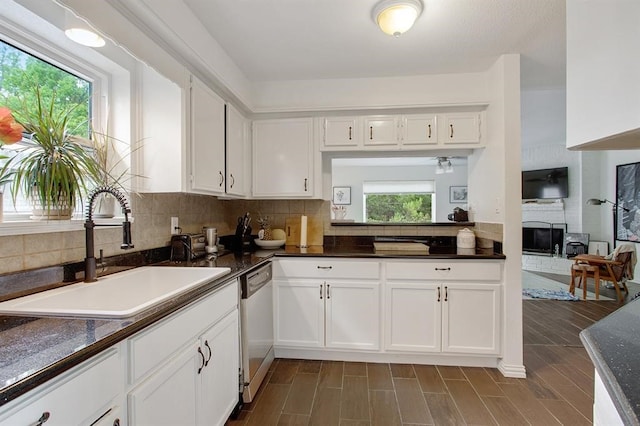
x,y
545,183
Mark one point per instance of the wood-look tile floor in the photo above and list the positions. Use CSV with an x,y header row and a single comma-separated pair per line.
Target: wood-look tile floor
x,y
558,388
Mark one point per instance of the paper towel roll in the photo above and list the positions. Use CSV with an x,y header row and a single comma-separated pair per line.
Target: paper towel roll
x,y
303,231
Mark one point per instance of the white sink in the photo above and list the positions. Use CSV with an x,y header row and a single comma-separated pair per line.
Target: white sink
x,y
114,296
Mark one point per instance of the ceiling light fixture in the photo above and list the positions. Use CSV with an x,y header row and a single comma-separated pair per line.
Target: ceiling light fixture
x,y
80,32
395,17
444,166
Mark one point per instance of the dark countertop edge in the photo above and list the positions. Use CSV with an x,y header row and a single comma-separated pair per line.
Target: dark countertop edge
x,y
620,400
494,256
347,223
162,311
30,382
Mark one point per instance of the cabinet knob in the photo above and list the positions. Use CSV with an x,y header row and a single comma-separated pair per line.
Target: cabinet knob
x,y
43,419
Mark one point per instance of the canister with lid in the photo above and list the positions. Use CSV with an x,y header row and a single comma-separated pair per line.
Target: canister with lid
x,y
466,239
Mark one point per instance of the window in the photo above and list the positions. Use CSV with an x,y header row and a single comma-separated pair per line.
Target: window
x,y
399,201
20,73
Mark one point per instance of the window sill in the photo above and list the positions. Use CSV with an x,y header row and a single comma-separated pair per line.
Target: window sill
x,y
21,227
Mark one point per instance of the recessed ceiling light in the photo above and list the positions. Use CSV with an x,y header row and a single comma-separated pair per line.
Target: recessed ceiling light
x,y
395,17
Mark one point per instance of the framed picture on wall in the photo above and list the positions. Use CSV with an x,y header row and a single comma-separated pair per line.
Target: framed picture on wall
x,y
457,194
627,215
341,195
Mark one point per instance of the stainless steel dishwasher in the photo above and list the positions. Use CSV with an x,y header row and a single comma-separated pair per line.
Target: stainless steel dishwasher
x,y
256,310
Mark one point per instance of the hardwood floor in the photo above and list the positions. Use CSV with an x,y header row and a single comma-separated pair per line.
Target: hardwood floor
x,y
558,389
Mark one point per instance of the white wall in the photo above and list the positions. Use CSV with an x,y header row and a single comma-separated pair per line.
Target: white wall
x,y
544,145
354,176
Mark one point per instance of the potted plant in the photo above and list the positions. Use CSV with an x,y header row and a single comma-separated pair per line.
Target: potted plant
x,y
55,171
10,133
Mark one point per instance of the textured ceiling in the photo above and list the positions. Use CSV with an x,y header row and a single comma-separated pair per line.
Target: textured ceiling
x,y
320,39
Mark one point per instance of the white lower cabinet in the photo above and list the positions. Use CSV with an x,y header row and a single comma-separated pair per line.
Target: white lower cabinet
x,y
448,307
331,314
320,305
199,383
87,394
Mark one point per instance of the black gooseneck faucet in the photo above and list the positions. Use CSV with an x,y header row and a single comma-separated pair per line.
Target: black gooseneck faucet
x,y
90,260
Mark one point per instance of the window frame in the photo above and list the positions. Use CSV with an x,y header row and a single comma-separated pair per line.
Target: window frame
x,y
35,44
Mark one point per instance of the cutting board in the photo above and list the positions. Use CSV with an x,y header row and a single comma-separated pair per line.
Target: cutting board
x,y
315,231
417,248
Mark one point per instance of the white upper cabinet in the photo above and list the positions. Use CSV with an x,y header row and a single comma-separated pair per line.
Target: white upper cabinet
x,y
603,106
283,158
408,132
342,131
381,130
238,152
419,129
207,140
460,128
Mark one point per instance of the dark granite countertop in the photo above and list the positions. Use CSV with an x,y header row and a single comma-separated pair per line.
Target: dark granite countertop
x,y
36,349
613,344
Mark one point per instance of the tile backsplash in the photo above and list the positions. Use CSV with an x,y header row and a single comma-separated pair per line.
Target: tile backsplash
x,y
151,227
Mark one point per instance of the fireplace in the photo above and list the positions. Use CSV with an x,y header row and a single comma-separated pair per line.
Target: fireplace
x,y
542,239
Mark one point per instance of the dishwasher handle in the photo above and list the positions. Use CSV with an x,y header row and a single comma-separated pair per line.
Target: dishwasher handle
x,y
255,280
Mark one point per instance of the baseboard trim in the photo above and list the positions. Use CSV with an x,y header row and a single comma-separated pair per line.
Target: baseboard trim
x,y
515,371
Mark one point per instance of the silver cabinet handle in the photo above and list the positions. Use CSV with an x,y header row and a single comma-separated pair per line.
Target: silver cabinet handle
x,y
203,362
206,343
43,419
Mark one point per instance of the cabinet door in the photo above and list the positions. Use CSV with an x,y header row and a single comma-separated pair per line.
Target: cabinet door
x,y
341,132
221,374
471,318
461,128
381,130
352,315
413,317
168,397
299,313
207,140
283,158
237,148
420,129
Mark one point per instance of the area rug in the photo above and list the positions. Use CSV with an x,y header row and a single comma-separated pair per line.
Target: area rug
x,y
535,286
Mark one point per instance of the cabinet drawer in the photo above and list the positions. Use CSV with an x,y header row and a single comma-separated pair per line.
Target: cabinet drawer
x,y
150,347
451,270
81,395
326,268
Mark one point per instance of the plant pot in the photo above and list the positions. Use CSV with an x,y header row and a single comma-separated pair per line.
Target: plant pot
x,y
51,213
105,206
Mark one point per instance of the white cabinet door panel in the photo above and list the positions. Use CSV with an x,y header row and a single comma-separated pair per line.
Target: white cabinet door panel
x,y
352,315
413,320
471,318
299,313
